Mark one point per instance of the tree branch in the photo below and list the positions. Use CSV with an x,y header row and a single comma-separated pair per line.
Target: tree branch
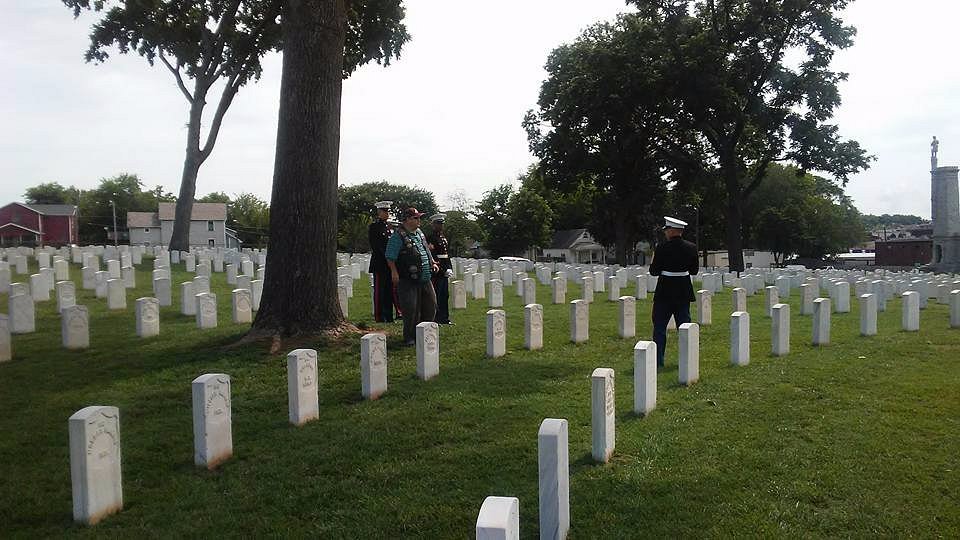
x,y
176,73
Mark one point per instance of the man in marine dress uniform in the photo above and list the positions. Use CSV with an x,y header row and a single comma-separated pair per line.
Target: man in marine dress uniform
x,y
383,291
674,261
439,247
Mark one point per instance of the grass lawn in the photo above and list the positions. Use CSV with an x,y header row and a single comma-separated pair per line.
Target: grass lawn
x,y
858,438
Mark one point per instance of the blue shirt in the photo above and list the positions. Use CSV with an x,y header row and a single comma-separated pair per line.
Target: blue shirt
x,y
395,244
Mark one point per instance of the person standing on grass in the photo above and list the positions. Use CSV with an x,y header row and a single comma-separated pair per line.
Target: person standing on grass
x,y
411,266
439,248
383,290
674,261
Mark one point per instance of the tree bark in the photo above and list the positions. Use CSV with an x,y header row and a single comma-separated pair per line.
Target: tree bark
x,y
300,289
734,218
180,238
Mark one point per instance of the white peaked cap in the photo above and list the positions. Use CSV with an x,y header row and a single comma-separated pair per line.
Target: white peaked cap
x,y
438,217
385,205
673,223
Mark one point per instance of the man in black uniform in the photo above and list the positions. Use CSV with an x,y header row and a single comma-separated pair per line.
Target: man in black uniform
x,y
439,248
674,261
379,232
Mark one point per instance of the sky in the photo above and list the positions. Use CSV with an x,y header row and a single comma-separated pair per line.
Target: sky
x,y
446,116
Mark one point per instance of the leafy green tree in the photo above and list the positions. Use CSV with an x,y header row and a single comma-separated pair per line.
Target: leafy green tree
x,y
355,209
873,222
492,212
249,215
794,213
751,107
461,232
602,113
513,221
572,207
96,211
323,40
206,42
215,197
50,193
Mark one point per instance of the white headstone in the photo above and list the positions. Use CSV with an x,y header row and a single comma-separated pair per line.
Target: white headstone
x,y
807,296
771,298
479,286
129,276
459,295
373,365
579,321
644,377
911,311
188,299
343,298
6,344
496,333
587,290
780,333
428,350
499,519
148,317
256,291
783,287
75,327
161,289
529,291
495,298
704,307
89,278
212,420
302,386
242,310
641,293
95,463
38,288
206,310
955,308
61,270
821,321
689,349
841,297
22,314
554,466
603,411
740,338
627,317
116,294
66,295
558,290
868,315
533,327
739,296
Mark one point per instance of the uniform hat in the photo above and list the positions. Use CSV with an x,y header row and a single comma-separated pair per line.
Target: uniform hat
x,y
438,217
383,205
410,213
673,223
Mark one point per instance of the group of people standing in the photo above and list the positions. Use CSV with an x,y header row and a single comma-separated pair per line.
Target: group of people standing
x,y
410,269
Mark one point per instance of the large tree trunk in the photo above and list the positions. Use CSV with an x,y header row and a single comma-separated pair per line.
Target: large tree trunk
x,y
734,219
180,239
300,290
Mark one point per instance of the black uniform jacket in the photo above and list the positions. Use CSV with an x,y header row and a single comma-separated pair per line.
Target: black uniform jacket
x,y
676,255
379,233
439,246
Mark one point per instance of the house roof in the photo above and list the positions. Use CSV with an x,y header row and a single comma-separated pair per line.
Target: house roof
x,y
4,226
142,219
200,212
50,209
565,239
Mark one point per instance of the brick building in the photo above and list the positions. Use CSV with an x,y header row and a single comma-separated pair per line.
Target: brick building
x,y
904,252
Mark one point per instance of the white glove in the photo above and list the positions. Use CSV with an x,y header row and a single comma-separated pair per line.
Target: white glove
x,y
449,273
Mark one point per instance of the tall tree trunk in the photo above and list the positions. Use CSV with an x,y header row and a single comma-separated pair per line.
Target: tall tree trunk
x,y
300,290
180,239
734,219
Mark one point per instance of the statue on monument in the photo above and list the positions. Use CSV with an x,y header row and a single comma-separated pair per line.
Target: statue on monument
x,y
934,146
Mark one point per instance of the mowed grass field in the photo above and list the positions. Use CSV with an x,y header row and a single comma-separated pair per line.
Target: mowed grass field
x,y
860,438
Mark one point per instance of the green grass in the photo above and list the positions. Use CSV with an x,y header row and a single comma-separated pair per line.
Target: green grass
x,y
858,438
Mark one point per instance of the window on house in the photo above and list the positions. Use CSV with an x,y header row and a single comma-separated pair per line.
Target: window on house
x,y
146,230
210,241
209,225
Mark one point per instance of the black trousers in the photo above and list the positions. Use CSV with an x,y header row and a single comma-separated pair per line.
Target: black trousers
x,y
383,297
662,311
442,287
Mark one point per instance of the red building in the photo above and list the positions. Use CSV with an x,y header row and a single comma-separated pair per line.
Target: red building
x,y
38,225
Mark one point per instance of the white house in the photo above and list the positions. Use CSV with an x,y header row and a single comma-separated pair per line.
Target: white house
x,y
575,246
208,226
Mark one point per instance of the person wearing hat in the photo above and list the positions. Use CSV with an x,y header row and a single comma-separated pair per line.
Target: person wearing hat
x,y
674,261
411,266
384,297
439,248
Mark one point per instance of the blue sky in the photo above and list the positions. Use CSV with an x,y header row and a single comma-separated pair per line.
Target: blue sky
x,y
446,116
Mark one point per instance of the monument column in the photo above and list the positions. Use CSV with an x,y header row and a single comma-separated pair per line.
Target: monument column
x,y
945,213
